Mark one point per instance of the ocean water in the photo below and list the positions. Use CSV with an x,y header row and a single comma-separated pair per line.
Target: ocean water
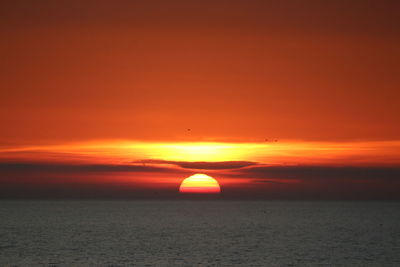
x,y
199,233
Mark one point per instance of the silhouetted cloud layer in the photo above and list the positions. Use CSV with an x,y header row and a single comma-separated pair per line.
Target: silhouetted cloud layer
x,y
237,169
319,172
49,167
202,165
160,179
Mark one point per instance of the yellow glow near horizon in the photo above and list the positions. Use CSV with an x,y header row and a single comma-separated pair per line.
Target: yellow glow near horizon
x,y
330,153
185,151
203,151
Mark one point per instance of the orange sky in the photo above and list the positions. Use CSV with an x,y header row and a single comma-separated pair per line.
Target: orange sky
x,y
229,70
320,77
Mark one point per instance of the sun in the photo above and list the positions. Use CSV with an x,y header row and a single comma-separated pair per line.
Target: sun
x,y
200,183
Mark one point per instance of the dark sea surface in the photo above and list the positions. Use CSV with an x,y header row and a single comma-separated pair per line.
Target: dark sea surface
x,y
199,233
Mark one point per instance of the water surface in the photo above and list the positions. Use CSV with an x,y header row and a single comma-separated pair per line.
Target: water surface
x,y
221,233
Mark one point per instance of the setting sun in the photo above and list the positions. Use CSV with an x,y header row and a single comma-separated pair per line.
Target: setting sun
x,y
200,183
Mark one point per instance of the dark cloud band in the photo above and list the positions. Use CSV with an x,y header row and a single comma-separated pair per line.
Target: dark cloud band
x,y
202,165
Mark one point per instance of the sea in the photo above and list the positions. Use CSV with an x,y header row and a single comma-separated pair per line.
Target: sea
x,y
199,233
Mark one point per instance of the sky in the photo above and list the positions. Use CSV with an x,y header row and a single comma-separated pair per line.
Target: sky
x,y
274,99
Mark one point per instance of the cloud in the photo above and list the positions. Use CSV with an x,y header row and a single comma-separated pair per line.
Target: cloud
x,y
22,180
319,172
135,166
202,165
50,167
